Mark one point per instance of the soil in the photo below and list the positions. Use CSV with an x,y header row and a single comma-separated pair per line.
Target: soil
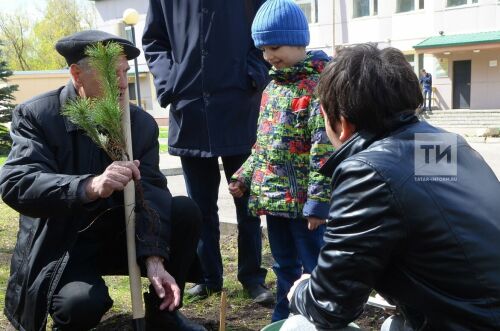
x,y
242,314
253,318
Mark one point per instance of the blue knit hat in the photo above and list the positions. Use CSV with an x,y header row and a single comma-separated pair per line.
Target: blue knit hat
x,y
280,22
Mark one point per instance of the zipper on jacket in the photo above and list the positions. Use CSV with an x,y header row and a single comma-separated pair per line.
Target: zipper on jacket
x,y
54,281
292,179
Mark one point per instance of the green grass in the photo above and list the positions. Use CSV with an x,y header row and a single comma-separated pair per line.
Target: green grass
x,y
8,231
163,132
4,146
163,148
242,313
3,158
163,135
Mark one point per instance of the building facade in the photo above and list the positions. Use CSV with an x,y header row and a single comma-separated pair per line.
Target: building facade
x,y
109,18
457,41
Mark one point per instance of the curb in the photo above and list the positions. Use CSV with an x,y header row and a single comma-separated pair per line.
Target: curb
x,y
172,172
178,171
486,140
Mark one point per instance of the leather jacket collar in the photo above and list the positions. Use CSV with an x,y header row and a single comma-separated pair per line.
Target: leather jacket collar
x,y
360,140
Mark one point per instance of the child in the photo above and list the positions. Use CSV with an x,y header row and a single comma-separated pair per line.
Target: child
x,y
281,174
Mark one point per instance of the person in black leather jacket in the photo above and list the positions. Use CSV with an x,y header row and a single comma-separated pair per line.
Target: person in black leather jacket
x,y
415,211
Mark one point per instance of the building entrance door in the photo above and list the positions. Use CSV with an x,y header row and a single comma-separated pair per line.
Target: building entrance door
x,y
461,84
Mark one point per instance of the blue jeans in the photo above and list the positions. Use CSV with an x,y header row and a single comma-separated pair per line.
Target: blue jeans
x,y
295,251
202,177
427,98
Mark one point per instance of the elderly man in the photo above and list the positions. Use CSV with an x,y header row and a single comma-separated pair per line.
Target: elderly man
x,y
414,212
72,228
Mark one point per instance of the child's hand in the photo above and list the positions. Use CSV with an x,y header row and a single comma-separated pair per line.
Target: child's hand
x,y
237,188
314,222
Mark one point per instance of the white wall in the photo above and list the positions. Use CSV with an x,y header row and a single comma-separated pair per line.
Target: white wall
x,y
404,30
483,16
322,31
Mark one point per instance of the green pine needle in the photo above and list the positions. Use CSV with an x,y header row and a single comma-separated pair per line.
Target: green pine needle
x,y
100,118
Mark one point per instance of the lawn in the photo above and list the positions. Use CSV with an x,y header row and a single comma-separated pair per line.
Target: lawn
x,y
5,142
163,132
3,158
8,231
242,313
163,148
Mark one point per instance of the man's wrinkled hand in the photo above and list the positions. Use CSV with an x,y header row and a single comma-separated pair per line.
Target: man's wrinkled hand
x,y
237,189
164,284
114,178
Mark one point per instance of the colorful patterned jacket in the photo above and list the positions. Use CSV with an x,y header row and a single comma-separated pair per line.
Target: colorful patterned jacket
x,y
282,171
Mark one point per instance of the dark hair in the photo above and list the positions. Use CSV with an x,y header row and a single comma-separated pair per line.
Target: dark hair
x,y
369,87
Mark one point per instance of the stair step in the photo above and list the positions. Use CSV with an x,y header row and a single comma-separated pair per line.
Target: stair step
x,y
465,120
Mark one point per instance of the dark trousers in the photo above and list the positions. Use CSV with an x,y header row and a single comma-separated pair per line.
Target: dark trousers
x,y
202,176
295,251
82,297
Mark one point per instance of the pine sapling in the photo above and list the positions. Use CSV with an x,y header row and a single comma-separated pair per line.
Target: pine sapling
x,y
100,117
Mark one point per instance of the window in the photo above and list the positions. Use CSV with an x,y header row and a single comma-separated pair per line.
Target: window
x,y
131,91
454,3
411,60
310,9
405,5
362,8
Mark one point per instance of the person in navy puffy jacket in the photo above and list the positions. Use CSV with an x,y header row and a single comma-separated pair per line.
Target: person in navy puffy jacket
x,y
208,71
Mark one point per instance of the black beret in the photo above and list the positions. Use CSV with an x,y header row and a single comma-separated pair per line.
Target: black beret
x,y
72,47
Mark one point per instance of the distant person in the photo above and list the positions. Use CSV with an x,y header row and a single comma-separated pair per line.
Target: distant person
x,y
426,83
72,220
206,68
429,245
281,174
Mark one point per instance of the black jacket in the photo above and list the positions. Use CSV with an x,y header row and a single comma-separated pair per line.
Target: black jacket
x,y
430,247
207,69
50,157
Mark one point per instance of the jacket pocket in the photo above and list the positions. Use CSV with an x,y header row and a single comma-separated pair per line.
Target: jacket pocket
x,y
294,188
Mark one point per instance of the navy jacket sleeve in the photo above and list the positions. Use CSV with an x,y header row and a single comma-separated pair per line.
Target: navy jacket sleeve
x,y
29,181
258,68
157,50
363,231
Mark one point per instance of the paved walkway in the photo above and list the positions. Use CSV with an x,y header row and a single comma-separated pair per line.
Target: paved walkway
x,y
171,167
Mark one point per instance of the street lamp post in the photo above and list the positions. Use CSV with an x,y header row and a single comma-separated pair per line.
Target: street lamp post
x,y
130,18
